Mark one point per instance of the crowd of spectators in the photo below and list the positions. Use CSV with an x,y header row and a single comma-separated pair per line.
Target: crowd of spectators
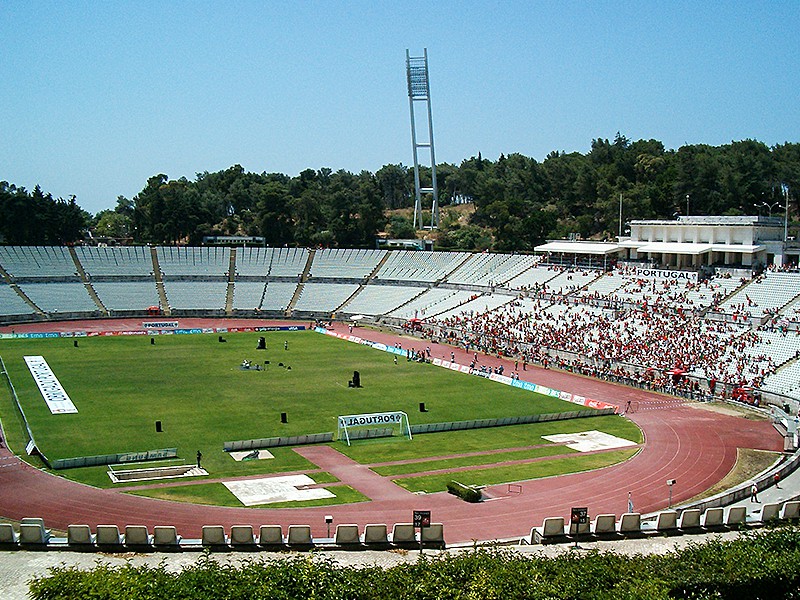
x,y
648,332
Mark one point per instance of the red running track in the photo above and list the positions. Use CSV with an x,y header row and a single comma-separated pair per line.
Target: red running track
x,y
694,446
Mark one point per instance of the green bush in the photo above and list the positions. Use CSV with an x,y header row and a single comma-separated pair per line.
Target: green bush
x,y
761,565
465,492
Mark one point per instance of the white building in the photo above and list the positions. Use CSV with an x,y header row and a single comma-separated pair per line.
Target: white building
x,y
697,241
691,242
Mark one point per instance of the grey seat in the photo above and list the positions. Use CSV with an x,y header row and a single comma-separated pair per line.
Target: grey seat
x,y
403,533
137,536
552,529
270,535
80,536
8,537
630,524
604,525
166,536
714,518
214,535
690,519
347,535
108,535
299,535
242,535
376,534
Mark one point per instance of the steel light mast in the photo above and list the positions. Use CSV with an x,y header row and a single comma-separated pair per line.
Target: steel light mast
x,y
419,90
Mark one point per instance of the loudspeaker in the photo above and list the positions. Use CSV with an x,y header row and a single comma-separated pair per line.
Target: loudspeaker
x,y
422,407
356,379
284,418
75,343
152,341
158,426
262,344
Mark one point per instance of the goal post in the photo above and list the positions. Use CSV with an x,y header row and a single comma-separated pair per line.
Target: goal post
x,y
381,425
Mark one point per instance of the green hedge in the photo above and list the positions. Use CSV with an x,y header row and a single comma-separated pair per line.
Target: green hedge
x,y
763,564
465,492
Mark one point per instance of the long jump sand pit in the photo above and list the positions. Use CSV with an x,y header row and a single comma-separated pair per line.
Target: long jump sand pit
x,y
589,441
286,488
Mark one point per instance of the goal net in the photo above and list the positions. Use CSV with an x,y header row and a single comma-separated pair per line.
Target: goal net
x,y
373,425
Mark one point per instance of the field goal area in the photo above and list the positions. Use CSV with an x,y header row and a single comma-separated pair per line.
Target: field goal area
x,y
373,425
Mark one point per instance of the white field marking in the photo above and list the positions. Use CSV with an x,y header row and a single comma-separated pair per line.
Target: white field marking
x,y
262,454
588,441
276,489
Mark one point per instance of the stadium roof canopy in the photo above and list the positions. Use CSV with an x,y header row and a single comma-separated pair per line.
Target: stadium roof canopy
x,y
564,247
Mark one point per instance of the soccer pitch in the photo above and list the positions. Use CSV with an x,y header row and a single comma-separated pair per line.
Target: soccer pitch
x,y
194,385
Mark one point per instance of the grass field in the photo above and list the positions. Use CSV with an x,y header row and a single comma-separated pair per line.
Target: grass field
x,y
194,386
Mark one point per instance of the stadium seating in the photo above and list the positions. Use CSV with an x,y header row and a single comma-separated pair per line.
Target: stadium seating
x,y
338,263
381,299
11,303
182,261
60,297
736,516
209,295
8,537
127,295
790,510
403,534
278,295
247,295
420,266
324,297
37,262
630,524
242,536
118,262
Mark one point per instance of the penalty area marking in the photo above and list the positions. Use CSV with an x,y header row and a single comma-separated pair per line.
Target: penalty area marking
x,y
589,441
267,490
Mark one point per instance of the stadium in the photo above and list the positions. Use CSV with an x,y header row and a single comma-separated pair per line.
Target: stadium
x,y
496,351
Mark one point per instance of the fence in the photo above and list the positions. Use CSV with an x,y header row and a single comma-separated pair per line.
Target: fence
x,y
273,442
112,459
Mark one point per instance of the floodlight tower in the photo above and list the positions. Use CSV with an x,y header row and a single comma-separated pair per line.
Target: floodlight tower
x,y
419,90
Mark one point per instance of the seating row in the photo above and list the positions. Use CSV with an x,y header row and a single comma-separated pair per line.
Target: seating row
x,y
33,535
690,520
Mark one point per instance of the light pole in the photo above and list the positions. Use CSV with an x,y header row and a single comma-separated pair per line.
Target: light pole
x,y
769,206
786,215
670,483
687,205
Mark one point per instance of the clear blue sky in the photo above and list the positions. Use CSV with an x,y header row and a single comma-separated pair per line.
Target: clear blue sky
x,y
99,96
